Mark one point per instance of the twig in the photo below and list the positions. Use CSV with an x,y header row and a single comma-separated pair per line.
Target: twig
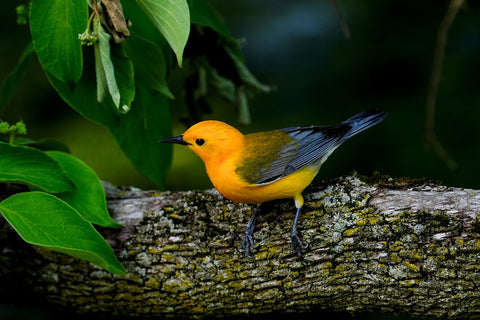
x,y
431,137
343,23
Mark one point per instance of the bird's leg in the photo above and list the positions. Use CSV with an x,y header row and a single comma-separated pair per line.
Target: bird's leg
x,y
248,241
296,242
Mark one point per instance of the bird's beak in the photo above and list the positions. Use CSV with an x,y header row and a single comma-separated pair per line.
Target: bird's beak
x,y
178,140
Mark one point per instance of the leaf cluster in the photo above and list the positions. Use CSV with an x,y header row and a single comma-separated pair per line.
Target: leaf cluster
x,y
110,61
65,198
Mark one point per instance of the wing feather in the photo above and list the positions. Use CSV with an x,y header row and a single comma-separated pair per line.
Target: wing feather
x,y
308,146
276,154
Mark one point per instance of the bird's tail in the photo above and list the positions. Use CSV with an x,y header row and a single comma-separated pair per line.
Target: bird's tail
x,y
363,120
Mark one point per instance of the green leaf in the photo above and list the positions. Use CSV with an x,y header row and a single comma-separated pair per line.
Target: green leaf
x,y
149,63
43,145
201,13
89,196
124,74
225,87
245,75
104,69
161,58
82,97
100,73
172,19
55,25
123,91
44,220
204,15
137,132
144,28
243,109
13,79
33,167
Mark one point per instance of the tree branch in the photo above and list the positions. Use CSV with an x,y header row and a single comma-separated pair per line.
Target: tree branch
x,y
384,245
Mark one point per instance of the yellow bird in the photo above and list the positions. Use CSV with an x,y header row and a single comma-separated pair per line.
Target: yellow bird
x,y
264,166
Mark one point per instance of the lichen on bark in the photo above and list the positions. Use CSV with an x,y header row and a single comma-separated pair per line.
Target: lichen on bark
x,y
380,244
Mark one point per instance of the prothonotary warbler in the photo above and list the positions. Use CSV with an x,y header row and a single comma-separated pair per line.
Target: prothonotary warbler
x,y
264,166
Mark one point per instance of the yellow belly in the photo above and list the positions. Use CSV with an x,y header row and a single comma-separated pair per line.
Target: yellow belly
x,y
233,188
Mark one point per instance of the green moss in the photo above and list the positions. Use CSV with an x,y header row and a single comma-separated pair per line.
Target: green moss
x,y
473,244
167,257
176,285
411,266
327,265
170,247
440,219
445,273
396,246
361,222
409,283
476,225
153,251
394,257
373,220
198,309
350,232
153,283
339,271
385,181
441,251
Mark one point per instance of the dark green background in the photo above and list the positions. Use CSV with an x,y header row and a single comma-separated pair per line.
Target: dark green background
x,y
321,78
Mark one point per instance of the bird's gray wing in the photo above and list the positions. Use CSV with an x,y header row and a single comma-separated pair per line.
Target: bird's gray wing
x,y
307,146
277,154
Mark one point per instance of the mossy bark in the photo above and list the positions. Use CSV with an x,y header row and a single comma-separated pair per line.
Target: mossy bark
x,y
373,245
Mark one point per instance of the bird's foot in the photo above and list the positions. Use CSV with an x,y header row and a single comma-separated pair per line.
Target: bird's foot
x,y
297,244
248,243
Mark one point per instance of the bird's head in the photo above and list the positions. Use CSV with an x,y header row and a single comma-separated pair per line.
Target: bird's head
x,y
211,140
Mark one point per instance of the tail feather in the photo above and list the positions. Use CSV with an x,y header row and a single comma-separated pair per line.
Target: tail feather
x,y
363,120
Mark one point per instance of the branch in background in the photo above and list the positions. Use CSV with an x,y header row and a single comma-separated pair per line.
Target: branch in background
x,y
343,23
431,137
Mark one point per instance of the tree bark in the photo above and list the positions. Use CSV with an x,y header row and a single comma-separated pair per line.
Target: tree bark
x,y
373,245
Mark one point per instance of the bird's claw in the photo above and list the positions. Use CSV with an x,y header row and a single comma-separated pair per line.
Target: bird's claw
x,y
297,244
248,241
248,244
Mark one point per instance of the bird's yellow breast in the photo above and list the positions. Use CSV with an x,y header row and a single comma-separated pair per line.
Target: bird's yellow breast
x,y
232,187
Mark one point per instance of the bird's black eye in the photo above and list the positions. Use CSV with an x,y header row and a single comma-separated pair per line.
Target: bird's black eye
x,y
199,142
